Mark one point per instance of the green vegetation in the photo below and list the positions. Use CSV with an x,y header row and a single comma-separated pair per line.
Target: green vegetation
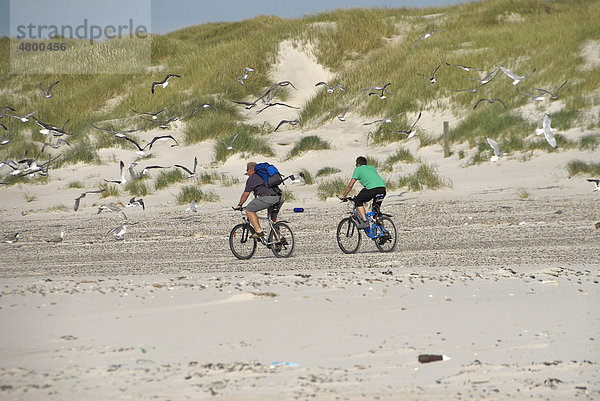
x,y
523,193
190,193
425,177
108,190
166,178
137,188
402,155
308,179
288,195
311,142
575,167
332,187
325,171
248,143
75,184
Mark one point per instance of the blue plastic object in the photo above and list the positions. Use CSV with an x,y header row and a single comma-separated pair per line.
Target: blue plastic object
x,y
298,209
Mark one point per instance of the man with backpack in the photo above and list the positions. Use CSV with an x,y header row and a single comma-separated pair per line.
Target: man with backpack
x,y
265,196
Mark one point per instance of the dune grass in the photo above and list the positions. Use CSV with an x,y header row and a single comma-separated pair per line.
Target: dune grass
x,y
166,178
248,142
332,187
189,193
311,142
426,177
308,178
325,171
578,167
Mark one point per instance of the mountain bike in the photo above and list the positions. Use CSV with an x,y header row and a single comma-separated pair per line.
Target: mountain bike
x,y
279,238
381,230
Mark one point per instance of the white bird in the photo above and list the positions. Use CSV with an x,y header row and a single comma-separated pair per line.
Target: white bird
x,y
165,82
201,106
596,182
432,78
58,239
192,207
535,98
47,93
112,207
333,88
78,199
342,117
387,120
425,36
118,231
154,116
485,99
276,104
148,168
516,78
142,150
230,145
123,178
244,75
24,118
11,238
547,131
497,152
293,123
464,67
411,131
485,79
553,94
136,202
192,172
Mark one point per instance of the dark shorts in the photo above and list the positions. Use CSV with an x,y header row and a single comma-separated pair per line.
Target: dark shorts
x,y
366,195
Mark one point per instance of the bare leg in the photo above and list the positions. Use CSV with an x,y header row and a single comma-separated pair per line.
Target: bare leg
x,y
253,217
362,212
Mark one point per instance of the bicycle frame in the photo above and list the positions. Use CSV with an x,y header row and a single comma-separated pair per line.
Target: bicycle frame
x,y
374,227
248,230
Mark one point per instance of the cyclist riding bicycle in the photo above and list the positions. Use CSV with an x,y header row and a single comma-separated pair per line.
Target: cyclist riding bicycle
x,y
264,198
374,188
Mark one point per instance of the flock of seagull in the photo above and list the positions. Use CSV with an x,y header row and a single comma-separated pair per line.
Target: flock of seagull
x,y
28,166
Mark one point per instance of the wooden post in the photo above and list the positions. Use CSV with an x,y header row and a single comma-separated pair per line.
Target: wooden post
x,y
446,139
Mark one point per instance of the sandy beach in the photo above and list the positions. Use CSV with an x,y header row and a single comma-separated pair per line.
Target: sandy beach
x,y
499,271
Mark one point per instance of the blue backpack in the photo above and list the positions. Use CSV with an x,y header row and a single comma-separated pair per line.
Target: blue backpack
x,y
269,174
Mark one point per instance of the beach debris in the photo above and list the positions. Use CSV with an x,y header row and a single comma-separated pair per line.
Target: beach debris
x,y
426,358
274,364
298,209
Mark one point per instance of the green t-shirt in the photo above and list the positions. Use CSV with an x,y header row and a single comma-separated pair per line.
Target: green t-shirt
x,y
368,177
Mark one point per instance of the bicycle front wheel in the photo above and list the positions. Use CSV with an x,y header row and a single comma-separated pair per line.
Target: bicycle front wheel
x,y
386,235
348,235
281,239
241,243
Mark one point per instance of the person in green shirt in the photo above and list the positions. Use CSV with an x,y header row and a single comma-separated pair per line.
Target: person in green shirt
x,y
374,188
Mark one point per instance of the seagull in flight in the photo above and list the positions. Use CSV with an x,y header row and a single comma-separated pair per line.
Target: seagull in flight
x,y
516,78
113,207
118,231
192,172
115,132
230,145
596,182
123,178
497,152
411,131
333,88
203,106
464,67
547,130
153,115
148,168
553,94
136,202
293,123
81,196
165,82
535,98
142,150
387,120
342,117
24,118
425,36
484,99
244,75
432,78
485,79
164,123
276,104
48,128
246,104
47,93
3,109
468,90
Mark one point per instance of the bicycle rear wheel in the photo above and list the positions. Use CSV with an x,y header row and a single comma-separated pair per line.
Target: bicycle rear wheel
x,y
386,231
281,239
348,235
241,243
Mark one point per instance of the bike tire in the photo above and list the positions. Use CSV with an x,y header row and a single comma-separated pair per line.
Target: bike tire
x,y
241,243
281,239
386,242
348,235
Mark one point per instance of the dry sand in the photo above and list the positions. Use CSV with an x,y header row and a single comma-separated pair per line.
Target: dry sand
x,y
508,287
